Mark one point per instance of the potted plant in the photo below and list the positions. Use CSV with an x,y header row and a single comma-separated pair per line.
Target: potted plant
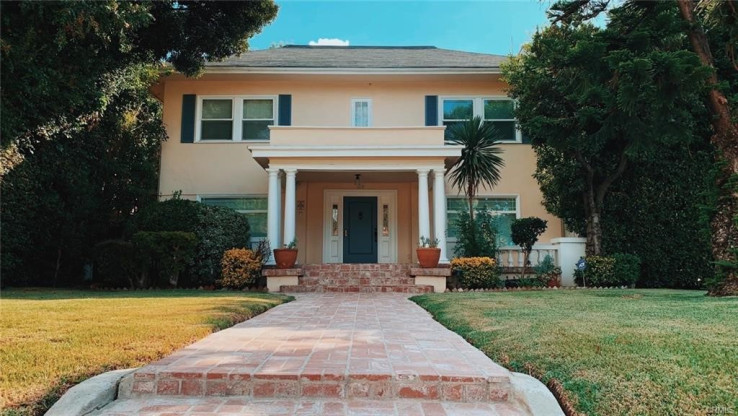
x,y
428,253
286,256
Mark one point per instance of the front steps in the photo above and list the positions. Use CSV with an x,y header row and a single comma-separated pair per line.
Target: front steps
x,y
357,278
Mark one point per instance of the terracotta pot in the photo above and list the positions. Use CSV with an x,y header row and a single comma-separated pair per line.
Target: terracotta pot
x,y
428,257
285,257
553,281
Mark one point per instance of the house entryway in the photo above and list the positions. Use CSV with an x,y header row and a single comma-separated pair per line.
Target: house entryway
x,y
360,229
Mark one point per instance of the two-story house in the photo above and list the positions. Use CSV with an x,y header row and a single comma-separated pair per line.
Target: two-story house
x,y
343,148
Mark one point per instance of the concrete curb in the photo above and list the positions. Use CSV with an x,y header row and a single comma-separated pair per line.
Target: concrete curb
x,y
89,395
534,394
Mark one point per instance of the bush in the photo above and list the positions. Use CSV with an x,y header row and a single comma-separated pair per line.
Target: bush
x,y
164,255
240,268
476,238
616,270
117,264
525,233
627,269
547,271
476,272
217,229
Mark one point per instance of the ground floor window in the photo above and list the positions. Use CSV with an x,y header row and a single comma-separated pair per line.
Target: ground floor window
x,y
253,207
504,208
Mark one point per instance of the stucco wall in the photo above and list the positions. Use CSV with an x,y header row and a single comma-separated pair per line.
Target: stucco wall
x,y
228,168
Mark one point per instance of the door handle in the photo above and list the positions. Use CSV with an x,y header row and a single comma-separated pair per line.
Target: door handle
x,y
345,232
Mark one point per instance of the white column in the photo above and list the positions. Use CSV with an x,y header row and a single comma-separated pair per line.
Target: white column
x,y
423,214
439,210
289,205
273,213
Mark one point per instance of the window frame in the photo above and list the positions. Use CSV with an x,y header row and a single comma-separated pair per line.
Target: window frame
x,y
478,110
237,116
370,118
453,240
254,240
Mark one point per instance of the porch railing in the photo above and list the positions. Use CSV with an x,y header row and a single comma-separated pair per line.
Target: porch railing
x,y
512,256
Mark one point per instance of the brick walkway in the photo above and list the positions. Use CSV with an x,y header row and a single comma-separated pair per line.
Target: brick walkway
x,y
341,353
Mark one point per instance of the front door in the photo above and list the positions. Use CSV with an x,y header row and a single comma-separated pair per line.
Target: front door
x,y
360,229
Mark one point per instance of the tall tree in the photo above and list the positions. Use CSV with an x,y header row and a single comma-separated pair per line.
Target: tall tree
x,y
598,98
480,162
711,26
58,56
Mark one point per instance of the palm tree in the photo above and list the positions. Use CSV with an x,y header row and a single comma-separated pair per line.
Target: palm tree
x,y
480,162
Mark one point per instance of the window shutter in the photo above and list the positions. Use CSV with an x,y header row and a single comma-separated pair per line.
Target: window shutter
x,y
187,131
285,110
431,110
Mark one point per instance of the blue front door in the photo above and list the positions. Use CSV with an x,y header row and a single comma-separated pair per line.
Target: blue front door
x,y
360,229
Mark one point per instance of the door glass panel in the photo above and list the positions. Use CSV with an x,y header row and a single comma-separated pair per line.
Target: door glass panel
x,y
385,220
334,220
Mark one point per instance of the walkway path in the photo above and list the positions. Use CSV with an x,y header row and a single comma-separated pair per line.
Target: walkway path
x,y
325,354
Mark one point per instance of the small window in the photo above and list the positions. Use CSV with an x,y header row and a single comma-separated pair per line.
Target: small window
x,y
456,111
361,112
255,209
217,120
258,115
499,112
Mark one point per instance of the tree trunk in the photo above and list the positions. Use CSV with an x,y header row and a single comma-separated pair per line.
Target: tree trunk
x,y
594,228
725,140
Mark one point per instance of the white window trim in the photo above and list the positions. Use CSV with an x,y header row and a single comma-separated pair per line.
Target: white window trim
x,y
478,110
370,120
237,116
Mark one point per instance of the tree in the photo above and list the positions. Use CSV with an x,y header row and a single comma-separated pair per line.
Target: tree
x,y
480,162
59,59
711,25
525,233
82,187
592,100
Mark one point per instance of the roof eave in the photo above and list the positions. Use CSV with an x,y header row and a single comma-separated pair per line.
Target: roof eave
x,y
340,71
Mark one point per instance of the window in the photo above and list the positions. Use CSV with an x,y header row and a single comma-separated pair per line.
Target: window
x,y
255,209
361,112
504,208
258,115
498,111
219,118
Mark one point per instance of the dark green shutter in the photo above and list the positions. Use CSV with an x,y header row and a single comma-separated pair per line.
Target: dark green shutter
x,y
188,118
431,110
285,110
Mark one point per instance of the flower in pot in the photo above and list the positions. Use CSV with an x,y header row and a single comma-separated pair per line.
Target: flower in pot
x,y
428,253
286,257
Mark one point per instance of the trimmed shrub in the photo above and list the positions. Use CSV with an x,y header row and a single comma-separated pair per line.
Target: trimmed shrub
x,y
627,269
476,272
217,229
240,268
164,255
117,264
599,272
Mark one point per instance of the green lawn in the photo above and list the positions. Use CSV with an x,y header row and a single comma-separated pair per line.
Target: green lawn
x,y
614,352
52,339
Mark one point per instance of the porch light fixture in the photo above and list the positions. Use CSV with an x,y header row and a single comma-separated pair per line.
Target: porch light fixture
x,y
357,181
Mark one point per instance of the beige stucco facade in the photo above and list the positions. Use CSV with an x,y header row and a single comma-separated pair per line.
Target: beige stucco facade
x,y
321,117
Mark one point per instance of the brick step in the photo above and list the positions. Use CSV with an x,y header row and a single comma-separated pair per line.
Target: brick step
x,y
384,386
357,289
356,281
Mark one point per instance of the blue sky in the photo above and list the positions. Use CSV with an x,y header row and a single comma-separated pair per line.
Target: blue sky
x,y
491,26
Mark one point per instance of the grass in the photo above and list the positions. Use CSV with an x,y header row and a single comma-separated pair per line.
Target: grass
x,y
608,352
53,339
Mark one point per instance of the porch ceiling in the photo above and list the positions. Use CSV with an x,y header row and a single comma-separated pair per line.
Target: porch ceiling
x,y
350,177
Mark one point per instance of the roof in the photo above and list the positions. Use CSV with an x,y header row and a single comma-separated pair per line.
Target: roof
x,y
397,58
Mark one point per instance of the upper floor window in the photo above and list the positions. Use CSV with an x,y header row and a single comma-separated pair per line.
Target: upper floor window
x,y
216,119
498,111
361,112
